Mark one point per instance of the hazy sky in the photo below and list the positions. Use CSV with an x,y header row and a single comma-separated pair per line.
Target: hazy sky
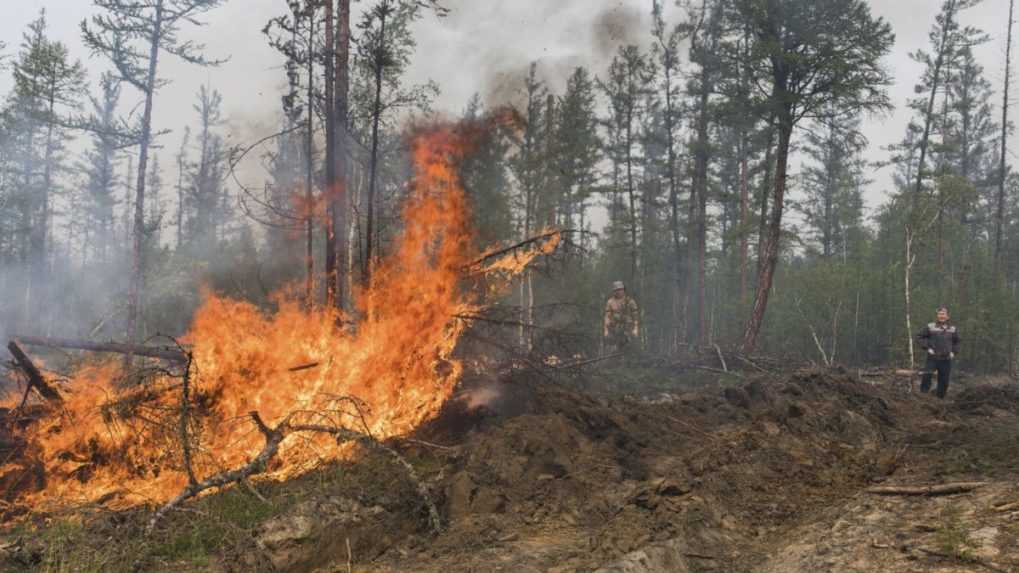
x,y
483,46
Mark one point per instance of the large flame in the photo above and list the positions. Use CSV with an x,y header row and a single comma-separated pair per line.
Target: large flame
x,y
384,376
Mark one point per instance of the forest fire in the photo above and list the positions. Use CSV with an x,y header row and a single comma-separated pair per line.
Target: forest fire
x,y
128,444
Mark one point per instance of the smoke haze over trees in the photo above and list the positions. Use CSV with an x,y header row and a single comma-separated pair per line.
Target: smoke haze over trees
x,y
719,156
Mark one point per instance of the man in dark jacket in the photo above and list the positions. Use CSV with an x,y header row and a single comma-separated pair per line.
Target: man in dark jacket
x,y
941,341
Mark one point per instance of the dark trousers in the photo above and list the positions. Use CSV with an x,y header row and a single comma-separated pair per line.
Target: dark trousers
x,y
943,366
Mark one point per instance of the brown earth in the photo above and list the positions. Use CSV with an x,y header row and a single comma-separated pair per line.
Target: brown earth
x,y
538,474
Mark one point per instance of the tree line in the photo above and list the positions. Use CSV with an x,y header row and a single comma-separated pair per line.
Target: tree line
x,y
718,168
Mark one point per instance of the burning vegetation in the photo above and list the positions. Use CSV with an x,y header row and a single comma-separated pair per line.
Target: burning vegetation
x,y
248,380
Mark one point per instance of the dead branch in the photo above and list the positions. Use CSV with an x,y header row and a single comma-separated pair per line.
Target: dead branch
x,y
715,370
273,438
308,366
344,434
589,361
163,352
929,490
721,358
753,364
1007,507
35,378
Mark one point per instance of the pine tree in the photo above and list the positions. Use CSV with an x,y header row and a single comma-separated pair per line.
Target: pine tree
x,y
101,170
486,180
577,149
205,191
384,50
529,167
832,182
626,84
132,34
812,55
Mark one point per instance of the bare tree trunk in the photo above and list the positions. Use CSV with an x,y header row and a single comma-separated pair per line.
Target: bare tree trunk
x,y
374,163
134,301
631,196
744,217
701,157
330,158
771,248
341,196
907,276
999,219
309,193
180,198
762,231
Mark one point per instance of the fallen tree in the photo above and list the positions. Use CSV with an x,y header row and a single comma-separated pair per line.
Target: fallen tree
x,y
171,353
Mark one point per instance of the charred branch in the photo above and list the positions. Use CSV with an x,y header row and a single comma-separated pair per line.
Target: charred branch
x,y
35,378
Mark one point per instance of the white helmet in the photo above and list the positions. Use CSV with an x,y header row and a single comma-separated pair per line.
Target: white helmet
x,y
618,285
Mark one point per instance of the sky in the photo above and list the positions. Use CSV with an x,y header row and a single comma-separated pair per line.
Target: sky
x,y
483,46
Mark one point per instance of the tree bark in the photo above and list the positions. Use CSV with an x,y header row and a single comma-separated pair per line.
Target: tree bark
x,y
762,231
771,248
744,217
309,193
339,211
701,158
374,163
677,247
330,158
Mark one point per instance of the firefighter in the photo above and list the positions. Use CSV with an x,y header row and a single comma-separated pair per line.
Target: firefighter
x,y
621,327
941,341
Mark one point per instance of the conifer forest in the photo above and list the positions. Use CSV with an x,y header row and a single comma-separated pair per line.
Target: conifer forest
x,y
257,252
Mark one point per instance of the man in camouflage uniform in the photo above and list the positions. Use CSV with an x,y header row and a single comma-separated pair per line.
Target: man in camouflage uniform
x,y
621,328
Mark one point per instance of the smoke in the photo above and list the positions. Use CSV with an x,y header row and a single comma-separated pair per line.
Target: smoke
x,y
618,26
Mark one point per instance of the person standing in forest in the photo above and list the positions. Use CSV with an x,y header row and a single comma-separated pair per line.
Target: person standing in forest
x,y
621,325
941,340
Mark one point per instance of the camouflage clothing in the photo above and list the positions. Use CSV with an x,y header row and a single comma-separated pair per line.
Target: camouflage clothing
x,y
622,321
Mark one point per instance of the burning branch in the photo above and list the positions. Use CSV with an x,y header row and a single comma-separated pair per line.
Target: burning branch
x,y
541,241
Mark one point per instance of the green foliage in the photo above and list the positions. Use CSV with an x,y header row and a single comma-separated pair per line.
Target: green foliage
x,y
953,535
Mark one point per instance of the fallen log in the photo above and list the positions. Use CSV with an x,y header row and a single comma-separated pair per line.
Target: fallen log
x,y
35,378
928,490
170,353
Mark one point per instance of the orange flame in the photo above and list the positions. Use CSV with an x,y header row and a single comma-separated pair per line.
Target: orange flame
x,y
123,446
